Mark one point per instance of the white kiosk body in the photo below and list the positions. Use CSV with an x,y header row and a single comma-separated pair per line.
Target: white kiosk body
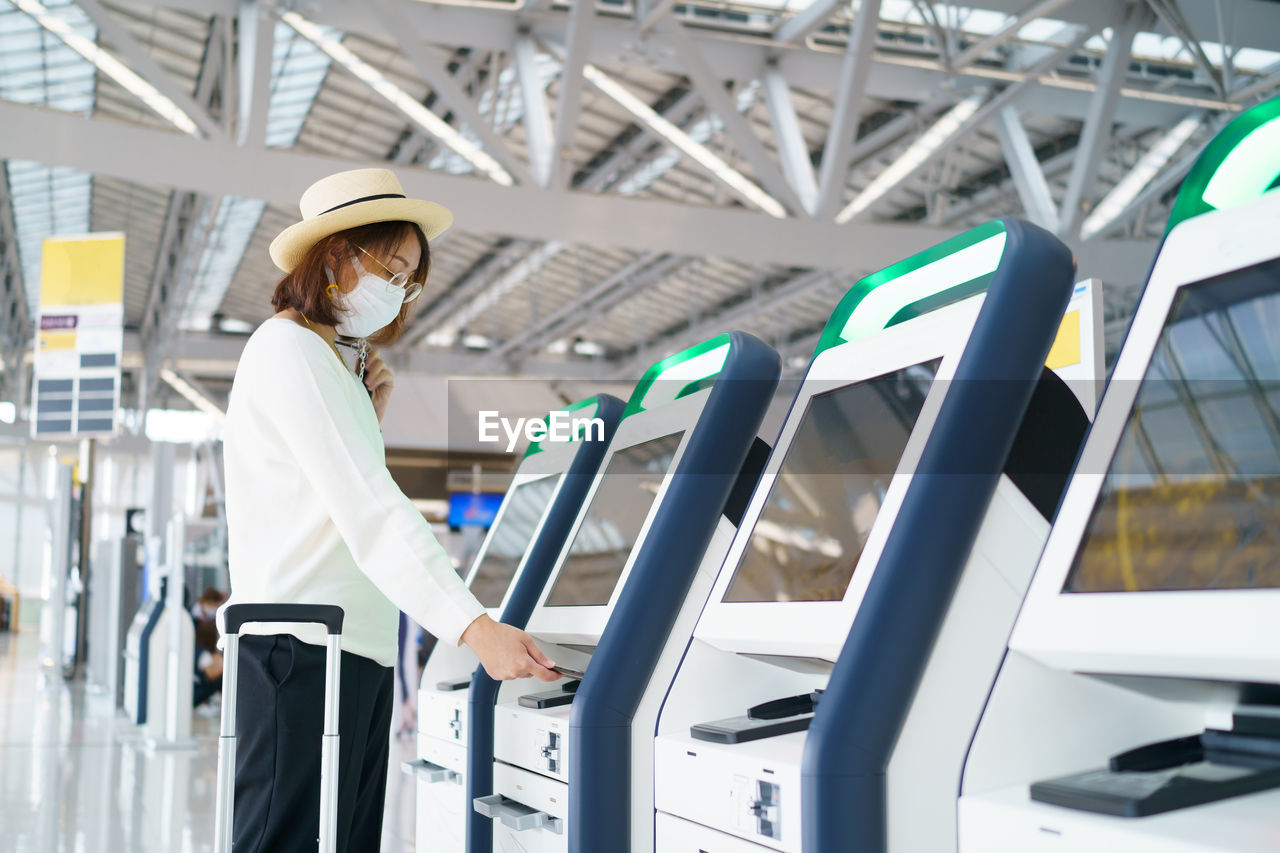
x,y
809,549
1154,612
533,746
443,694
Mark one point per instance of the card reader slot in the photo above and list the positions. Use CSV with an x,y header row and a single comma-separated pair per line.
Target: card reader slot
x,y
550,699
450,686
788,706
1158,756
744,729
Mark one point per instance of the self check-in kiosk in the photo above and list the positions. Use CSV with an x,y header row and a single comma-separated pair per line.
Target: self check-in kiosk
x,y
142,668
622,601
507,574
1138,707
840,665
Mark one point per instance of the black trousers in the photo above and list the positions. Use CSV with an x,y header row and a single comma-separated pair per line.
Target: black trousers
x,y
279,717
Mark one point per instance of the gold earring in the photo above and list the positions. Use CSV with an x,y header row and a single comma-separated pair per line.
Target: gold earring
x,y
329,290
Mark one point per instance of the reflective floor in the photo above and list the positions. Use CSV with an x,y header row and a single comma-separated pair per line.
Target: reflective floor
x,y
76,777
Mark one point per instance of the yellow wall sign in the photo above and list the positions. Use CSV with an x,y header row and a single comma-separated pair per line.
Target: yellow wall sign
x,y
80,341
86,270
1066,347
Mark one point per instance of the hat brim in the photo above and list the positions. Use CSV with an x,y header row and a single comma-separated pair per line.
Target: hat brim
x,y
292,244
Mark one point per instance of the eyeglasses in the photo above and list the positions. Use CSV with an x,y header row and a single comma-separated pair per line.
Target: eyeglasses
x,y
397,281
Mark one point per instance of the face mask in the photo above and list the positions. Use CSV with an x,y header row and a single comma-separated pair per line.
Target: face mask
x,y
371,305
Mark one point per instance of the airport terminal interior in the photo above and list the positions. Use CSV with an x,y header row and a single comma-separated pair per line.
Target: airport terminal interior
x,y
864,415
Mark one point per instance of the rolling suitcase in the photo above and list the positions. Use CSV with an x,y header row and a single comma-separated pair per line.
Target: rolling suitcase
x,y
235,618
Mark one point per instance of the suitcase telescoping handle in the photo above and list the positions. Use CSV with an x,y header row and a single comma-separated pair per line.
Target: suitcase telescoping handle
x,y
235,617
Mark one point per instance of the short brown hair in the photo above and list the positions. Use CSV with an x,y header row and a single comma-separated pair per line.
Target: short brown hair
x,y
305,288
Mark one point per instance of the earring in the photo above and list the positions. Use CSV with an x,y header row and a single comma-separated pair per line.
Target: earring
x,y
332,290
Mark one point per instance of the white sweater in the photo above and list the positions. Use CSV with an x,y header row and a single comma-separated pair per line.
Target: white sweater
x,y
313,515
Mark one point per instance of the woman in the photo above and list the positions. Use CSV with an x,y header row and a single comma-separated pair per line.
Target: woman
x,y
313,516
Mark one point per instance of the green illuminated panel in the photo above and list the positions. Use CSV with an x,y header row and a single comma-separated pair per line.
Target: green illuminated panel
x,y
679,375
950,271
1241,163
581,409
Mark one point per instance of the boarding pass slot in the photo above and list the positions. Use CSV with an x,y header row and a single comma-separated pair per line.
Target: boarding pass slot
x,y
516,815
428,772
425,771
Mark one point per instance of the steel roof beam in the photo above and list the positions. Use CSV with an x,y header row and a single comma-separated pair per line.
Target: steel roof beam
x,y
797,167
215,356
1148,167
850,93
418,144
140,60
622,163
978,118
538,133
1253,21
1028,176
1261,85
1169,179
730,314
973,52
16,315
158,157
1169,13
446,86
798,27
1096,135
187,232
466,289
696,150
711,87
255,35
577,40
740,56
649,267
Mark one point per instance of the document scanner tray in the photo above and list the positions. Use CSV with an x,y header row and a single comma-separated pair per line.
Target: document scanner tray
x,y
1169,775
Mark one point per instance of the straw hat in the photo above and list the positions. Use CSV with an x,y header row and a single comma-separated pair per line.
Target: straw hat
x,y
350,199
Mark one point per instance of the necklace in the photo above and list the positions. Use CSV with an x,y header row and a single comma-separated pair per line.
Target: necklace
x,y
327,341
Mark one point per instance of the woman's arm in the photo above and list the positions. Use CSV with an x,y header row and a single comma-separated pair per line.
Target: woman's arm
x,y
303,397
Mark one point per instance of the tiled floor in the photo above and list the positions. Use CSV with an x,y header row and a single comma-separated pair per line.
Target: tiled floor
x,y
77,778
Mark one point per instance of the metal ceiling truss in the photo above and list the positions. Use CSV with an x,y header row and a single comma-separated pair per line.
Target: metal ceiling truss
x,y
736,312
829,46
141,61
742,54
842,132
16,318
633,278
467,287
255,34
445,85
189,219
1025,169
188,224
1096,135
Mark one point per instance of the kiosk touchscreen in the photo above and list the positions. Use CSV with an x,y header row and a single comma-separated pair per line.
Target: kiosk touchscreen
x,y
1139,705
622,601
519,550
840,666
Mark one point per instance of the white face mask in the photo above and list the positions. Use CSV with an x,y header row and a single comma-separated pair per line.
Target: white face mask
x,y
371,305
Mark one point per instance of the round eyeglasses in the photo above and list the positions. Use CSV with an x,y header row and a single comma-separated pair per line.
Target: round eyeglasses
x,y
398,280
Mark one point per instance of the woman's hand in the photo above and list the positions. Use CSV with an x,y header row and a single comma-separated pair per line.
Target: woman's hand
x,y
380,381
507,652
